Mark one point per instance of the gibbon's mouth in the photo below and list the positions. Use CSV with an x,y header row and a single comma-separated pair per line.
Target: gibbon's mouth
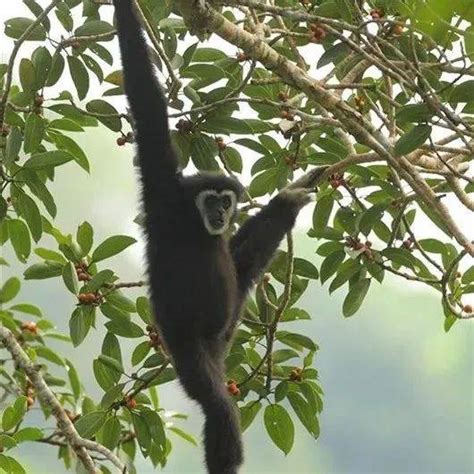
x,y
217,226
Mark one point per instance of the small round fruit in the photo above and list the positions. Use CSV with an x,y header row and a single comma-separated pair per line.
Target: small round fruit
x,y
39,100
232,388
467,309
131,403
121,141
398,29
30,326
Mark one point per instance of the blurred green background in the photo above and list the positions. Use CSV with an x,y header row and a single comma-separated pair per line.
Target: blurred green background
x,y
399,391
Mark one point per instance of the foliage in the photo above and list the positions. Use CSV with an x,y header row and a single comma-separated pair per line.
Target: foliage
x,y
401,66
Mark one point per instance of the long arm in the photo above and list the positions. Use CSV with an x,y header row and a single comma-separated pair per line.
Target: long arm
x,y
158,162
255,243
259,237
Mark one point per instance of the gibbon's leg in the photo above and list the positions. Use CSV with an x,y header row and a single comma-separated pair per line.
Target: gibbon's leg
x,y
202,378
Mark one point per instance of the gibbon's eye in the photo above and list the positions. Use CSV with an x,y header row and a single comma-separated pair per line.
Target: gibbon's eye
x,y
226,202
211,200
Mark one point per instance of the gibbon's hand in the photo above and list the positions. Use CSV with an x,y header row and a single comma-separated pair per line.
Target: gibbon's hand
x,y
309,180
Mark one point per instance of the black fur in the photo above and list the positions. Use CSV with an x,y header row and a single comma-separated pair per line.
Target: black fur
x,y
198,282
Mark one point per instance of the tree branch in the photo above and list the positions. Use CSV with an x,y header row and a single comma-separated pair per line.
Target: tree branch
x,y
48,398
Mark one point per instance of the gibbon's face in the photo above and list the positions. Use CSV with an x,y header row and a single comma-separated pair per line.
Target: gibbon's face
x,y
217,209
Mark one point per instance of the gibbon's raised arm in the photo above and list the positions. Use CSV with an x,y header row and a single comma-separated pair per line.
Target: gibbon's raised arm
x,y
256,242
158,161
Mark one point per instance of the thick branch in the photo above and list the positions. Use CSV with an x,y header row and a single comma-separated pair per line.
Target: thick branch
x,y
48,398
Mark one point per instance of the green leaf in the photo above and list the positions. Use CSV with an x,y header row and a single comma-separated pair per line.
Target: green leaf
x,y
73,380
433,246
79,324
412,140
110,433
95,27
305,269
99,279
48,254
68,144
11,465
345,272
9,290
305,413
27,75
70,278
111,363
34,132
88,425
93,66
282,355
7,442
119,300
115,314
112,246
233,159
3,213
331,264
15,27
355,297
414,113
20,238
104,108
468,276
13,414
13,146
144,309
85,237
42,271
463,92
56,71
42,61
37,10
140,352
124,328
279,427
47,159
322,211
27,309
142,432
370,217
182,434
264,183
203,151
297,341
156,427
30,212
28,434
79,76
48,354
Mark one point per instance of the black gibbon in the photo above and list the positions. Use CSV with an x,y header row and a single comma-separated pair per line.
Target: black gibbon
x,y
198,279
